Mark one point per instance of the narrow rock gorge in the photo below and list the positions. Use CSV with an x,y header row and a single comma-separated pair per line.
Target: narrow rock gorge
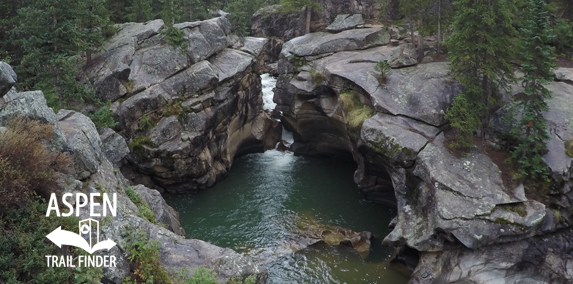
x,y
186,112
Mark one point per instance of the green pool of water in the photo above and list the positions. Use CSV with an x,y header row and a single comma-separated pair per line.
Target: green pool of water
x,y
258,206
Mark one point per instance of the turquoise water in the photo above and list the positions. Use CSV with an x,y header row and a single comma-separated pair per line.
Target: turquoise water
x,y
257,208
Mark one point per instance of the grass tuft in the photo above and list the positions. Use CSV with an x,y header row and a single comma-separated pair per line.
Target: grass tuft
x,y
356,112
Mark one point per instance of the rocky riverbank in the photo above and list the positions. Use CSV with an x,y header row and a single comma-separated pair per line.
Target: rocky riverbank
x,y
192,115
463,221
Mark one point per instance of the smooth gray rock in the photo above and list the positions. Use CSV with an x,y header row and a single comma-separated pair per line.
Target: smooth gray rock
x,y
397,57
177,253
253,45
114,146
399,139
167,129
206,38
8,78
133,34
422,92
229,62
459,200
83,142
164,214
345,22
200,76
564,74
152,65
31,105
539,260
321,43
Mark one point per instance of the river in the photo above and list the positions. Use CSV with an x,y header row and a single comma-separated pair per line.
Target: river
x,y
259,207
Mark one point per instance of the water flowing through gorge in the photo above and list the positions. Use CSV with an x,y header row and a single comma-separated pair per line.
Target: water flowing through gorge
x,y
260,208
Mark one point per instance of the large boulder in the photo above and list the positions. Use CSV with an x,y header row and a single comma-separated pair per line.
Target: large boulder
x,y
114,146
321,43
345,22
447,201
541,260
422,92
398,138
164,214
176,252
31,105
8,78
185,112
83,142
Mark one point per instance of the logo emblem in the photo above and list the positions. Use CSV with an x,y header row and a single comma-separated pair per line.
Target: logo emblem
x,y
87,239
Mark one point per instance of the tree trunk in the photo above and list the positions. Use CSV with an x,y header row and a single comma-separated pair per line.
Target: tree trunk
x,y
439,35
308,14
420,44
88,57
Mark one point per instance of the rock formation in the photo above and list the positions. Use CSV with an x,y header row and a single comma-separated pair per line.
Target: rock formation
x,y
185,111
466,224
94,171
269,22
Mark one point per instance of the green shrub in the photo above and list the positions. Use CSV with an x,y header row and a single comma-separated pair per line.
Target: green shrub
x,y
203,275
464,116
383,67
317,77
174,37
298,61
569,147
563,39
137,145
144,255
172,108
145,122
88,275
26,165
103,118
144,210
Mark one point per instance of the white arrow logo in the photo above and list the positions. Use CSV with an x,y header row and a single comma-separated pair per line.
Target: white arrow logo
x,y
62,237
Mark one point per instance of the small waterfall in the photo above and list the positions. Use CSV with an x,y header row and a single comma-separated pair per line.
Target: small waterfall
x,y
287,136
269,83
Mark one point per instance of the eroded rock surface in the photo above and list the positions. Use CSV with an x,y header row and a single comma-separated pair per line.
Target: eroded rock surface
x,y
456,211
184,113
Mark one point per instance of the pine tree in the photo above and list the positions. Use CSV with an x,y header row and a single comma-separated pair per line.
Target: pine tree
x,y
480,50
537,63
193,10
93,19
168,12
48,34
296,5
241,12
140,11
414,12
